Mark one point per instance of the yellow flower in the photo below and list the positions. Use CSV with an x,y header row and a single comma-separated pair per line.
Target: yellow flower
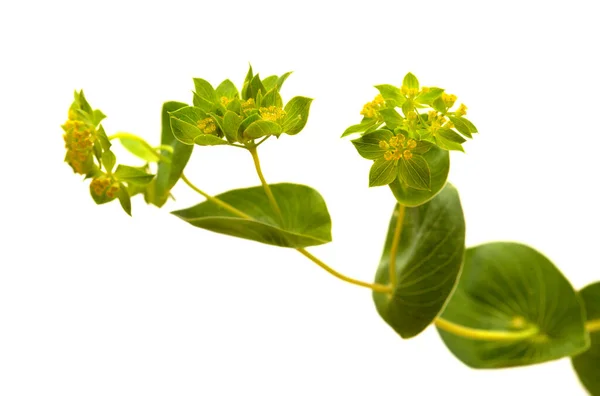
x,y
207,125
448,99
272,113
104,185
371,109
462,110
79,140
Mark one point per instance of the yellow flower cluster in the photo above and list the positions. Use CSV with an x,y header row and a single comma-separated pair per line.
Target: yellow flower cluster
x,y
461,111
448,99
371,109
104,185
437,120
225,100
410,92
398,147
207,125
248,104
272,113
79,140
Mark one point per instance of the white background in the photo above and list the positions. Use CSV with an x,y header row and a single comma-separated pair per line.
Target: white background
x,y
93,302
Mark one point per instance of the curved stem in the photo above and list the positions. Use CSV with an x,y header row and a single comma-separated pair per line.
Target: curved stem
x,y
593,325
485,335
264,183
374,286
215,200
395,242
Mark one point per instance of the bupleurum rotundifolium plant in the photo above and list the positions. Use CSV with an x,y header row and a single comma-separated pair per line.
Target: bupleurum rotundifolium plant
x,y
495,305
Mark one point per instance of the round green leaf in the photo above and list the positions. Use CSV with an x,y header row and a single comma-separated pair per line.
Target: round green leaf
x,y
428,262
517,308
587,365
439,166
306,221
382,172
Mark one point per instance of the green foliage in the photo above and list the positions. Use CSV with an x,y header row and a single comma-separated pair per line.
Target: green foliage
x,y
587,364
306,221
428,260
495,305
509,288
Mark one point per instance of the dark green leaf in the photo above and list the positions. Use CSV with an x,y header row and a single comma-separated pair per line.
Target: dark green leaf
x,y
382,173
368,144
363,126
262,128
130,174
428,261
296,114
124,199
168,173
410,81
415,173
517,307
184,123
587,364
305,215
204,90
439,164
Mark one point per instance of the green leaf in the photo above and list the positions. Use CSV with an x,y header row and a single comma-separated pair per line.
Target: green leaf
x,y
97,117
306,221
296,114
428,261
365,124
439,105
270,82
246,122
262,128
226,89
140,148
429,97
415,172
449,134
124,199
246,86
109,160
407,107
235,105
368,144
461,126
391,94
282,79
168,173
130,174
382,173
469,124
231,125
446,140
103,139
204,90
518,308
184,123
272,98
410,81
587,364
439,164
392,118
209,140
203,104
255,87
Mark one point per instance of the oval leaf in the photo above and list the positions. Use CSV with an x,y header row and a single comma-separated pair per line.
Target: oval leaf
x,y
168,172
305,215
439,165
296,114
133,175
587,365
428,260
415,172
368,144
262,128
382,173
525,310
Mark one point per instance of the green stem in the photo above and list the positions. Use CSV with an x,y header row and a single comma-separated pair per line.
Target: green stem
x,y
593,325
485,335
216,200
394,249
264,183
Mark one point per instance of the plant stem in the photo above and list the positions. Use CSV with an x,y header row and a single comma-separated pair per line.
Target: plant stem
x,y
374,286
264,183
215,200
593,325
394,249
485,335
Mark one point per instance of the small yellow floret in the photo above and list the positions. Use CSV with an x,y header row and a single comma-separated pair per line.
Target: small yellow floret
x,y
272,113
407,154
371,109
384,145
207,125
225,100
462,110
248,104
448,99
